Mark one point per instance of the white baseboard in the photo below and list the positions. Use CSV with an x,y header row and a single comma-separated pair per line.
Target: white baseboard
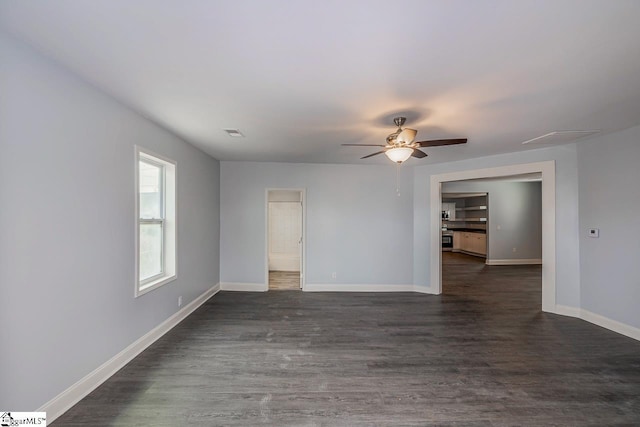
x,y
244,287
614,325
65,400
522,261
565,310
597,319
349,287
424,290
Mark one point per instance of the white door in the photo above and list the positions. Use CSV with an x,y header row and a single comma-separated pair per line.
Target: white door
x,y
285,236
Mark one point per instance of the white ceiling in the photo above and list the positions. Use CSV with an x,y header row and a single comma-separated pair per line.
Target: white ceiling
x,y
299,78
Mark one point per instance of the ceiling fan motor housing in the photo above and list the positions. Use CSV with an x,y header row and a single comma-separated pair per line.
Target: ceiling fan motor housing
x,y
399,121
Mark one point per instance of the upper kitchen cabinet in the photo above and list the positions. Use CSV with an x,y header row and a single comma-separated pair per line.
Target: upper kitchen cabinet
x,y
471,210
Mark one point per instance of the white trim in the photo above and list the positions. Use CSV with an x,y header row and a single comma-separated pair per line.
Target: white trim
x,y
351,287
65,400
614,325
244,287
565,310
170,221
424,290
600,320
521,261
155,284
547,169
462,251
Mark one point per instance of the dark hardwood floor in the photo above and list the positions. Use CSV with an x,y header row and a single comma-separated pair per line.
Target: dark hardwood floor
x,y
481,354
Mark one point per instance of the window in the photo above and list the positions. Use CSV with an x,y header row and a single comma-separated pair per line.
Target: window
x,y
155,221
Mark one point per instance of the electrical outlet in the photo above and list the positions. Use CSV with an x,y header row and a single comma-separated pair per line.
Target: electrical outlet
x,y
514,249
594,232
333,275
180,301
498,227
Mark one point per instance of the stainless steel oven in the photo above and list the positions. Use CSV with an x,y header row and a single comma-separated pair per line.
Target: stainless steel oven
x,y
447,241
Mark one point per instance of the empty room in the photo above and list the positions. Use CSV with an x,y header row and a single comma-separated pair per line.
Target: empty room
x,y
298,213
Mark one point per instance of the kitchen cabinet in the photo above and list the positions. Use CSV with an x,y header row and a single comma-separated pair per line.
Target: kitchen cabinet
x,y
472,243
457,240
478,243
473,209
465,209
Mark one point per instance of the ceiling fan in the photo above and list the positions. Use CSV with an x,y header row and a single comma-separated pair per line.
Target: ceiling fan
x,y
400,144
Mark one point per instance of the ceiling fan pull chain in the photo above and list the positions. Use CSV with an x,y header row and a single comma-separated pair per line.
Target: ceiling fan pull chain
x,y
398,179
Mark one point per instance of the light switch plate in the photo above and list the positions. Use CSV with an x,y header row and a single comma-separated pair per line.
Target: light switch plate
x,y
594,232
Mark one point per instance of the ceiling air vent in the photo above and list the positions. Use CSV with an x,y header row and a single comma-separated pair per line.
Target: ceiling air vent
x,y
559,136
234,132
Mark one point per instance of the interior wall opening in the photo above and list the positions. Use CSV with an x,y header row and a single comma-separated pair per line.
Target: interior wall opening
x,y
545,263
285,237
492,239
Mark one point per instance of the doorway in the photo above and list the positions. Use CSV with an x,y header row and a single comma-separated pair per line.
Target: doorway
x,y
547,171
285,239
497,227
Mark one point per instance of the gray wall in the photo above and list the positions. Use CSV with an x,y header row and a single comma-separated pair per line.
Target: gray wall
x,y
356,224
67,227
609,171
567,249
517,208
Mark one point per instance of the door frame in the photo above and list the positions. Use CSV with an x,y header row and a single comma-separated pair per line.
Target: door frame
x,y
303,250
548,171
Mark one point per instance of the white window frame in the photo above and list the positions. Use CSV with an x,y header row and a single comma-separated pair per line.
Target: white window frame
x,y
168,221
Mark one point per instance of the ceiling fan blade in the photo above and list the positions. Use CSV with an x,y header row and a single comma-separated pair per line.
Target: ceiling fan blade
x,y
363,145
440,142
371,155
418,153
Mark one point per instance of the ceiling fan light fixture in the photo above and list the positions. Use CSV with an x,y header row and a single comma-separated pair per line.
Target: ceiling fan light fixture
x,y
399,154
406,136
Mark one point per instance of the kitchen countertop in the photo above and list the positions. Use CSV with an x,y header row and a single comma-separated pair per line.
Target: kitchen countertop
x,y
468,230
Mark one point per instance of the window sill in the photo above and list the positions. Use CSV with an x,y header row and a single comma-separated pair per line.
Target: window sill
x,y
148,287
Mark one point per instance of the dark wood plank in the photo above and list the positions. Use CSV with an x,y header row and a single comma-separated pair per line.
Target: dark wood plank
x,y
481,354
